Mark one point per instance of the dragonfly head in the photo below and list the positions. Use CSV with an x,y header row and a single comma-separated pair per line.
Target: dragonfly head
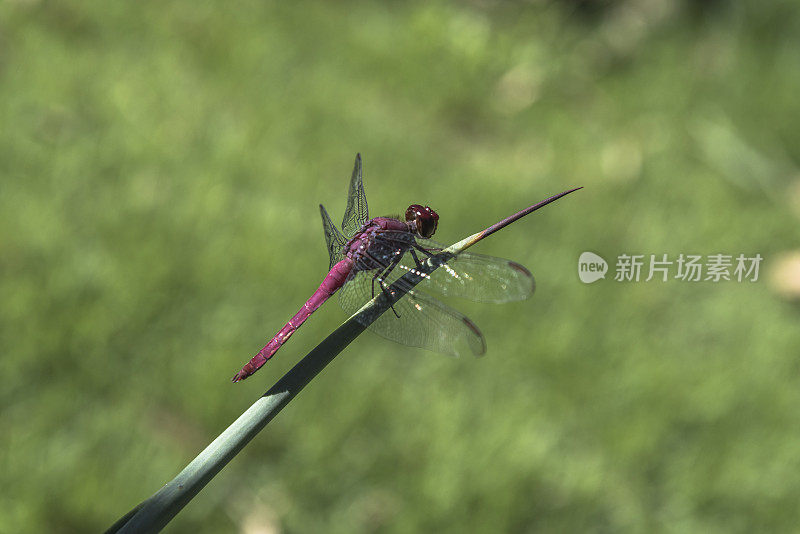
x,y
425,220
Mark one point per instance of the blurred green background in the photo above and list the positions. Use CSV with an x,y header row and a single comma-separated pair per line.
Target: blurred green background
x,y
160,170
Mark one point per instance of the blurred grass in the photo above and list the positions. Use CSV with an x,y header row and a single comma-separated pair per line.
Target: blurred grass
x,y
161,166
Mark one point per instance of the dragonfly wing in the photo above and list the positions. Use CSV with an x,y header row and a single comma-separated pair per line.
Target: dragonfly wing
x,y
472,276
356,213
333,238
423,321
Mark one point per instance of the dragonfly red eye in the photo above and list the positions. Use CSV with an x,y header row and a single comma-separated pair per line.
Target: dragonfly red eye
x,y
426,219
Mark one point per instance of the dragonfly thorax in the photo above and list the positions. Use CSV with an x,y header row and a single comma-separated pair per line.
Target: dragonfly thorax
x,y
378,241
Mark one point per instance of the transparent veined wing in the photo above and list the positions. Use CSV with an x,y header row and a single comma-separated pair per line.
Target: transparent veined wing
x,y
475,277
417,320
356,213
333,238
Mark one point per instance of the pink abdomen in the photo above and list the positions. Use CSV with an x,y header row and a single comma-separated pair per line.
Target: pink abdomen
x,y
333,281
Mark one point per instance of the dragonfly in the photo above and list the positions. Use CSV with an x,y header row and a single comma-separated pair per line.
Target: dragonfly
x,y
369,258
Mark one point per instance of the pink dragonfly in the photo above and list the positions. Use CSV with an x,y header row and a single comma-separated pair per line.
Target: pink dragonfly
x,y
370,256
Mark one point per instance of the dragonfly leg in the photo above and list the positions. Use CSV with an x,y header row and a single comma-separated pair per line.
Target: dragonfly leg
x,y
382,273
381,270
427,253
386,294
389,268
377,274
416,259
422,249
